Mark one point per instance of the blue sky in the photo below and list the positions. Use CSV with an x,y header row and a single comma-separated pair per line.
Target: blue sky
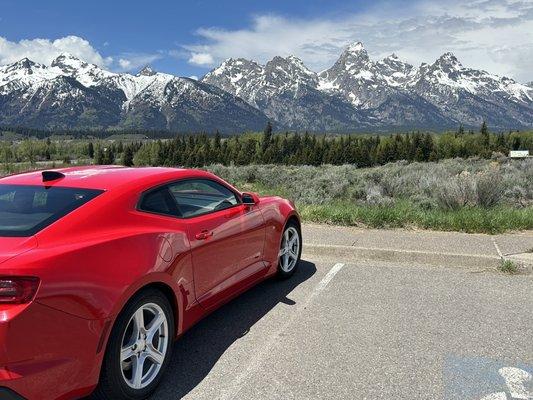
x,y
191,37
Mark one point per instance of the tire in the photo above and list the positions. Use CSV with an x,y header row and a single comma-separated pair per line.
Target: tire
x,y
130,347
289,256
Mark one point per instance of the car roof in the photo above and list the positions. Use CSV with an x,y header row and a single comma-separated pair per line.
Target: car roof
x,y
104,177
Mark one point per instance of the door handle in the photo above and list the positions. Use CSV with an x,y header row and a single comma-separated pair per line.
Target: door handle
x,y
204,235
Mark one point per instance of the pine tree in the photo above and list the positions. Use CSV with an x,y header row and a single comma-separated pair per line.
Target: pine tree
x,y
99,157
484,129
109,157
266,143
485,136
90,150
217,148
127,156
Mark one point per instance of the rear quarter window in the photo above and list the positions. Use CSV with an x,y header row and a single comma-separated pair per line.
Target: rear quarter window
x,y
25,210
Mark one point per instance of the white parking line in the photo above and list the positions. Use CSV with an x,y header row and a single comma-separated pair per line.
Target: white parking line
x,y
255,362
330,275
497,248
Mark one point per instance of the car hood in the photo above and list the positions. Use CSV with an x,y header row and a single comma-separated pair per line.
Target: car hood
x,y
13,246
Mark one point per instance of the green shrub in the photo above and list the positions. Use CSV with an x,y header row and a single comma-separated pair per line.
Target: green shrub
x,y
508,266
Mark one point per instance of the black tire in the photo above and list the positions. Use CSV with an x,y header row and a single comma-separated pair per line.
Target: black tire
x,y
282,272
112,384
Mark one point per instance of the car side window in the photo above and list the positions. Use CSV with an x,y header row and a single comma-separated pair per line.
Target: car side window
x,y
201,196
159,201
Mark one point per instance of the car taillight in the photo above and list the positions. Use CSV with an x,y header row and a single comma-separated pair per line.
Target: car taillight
x,y
17,290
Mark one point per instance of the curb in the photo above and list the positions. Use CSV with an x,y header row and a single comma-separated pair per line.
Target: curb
x,y
352,253
524,261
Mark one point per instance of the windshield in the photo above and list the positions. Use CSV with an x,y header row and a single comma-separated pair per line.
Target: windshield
x,y
25,210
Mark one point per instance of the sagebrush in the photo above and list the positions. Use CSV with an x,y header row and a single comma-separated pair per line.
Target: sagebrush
x,y
448,184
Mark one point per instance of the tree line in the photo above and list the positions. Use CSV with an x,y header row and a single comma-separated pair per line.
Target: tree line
x,y
271,148
307,149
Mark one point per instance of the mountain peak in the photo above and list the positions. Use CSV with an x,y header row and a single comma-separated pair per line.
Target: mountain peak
x,y
289,69
68,62
289,60
294,60
448,62
67,56
393,59
356,48
355,55
147,71
26,65
238,62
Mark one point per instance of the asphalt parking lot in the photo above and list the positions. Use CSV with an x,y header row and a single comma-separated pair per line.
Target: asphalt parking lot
x,y
364,330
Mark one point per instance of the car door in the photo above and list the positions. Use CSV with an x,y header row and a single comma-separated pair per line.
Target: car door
x,y
226,238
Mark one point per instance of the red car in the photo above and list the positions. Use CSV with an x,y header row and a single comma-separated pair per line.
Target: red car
x,y
102,267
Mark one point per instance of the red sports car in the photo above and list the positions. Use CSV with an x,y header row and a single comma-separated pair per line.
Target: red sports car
x,y
102,267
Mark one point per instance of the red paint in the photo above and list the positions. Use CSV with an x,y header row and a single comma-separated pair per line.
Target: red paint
x,y
93,260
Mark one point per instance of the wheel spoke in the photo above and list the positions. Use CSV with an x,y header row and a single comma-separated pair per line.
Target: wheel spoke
x,y
126,352
283,251
293,255
155,355
138,321
154,326
286,260
137,372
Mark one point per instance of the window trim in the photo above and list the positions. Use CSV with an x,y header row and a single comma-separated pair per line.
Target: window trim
x,y
168,184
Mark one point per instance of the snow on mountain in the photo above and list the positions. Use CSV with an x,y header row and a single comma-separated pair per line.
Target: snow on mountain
x,y
23,74
361,81
287,92
384,93
71,93
87,74
355,93
470,96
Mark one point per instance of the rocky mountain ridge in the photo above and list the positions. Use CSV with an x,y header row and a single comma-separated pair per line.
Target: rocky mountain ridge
x,y
360,93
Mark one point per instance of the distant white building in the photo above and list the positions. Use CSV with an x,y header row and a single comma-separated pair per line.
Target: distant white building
x,y
519,153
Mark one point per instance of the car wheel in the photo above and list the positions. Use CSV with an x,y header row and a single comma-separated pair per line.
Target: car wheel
x,y
290,250
139,349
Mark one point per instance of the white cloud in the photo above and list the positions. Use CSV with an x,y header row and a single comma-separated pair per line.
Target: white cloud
x,y
133,61
45,50
124,63
201,59
496,35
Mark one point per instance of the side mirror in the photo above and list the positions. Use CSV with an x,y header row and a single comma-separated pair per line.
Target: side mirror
x,y
250,199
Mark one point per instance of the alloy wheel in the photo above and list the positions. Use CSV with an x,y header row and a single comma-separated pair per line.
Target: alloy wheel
x,y
290,249
144,346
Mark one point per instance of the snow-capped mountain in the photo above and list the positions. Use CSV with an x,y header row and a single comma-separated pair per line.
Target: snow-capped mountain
x,y
469,95
287,91
71,93
358,92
